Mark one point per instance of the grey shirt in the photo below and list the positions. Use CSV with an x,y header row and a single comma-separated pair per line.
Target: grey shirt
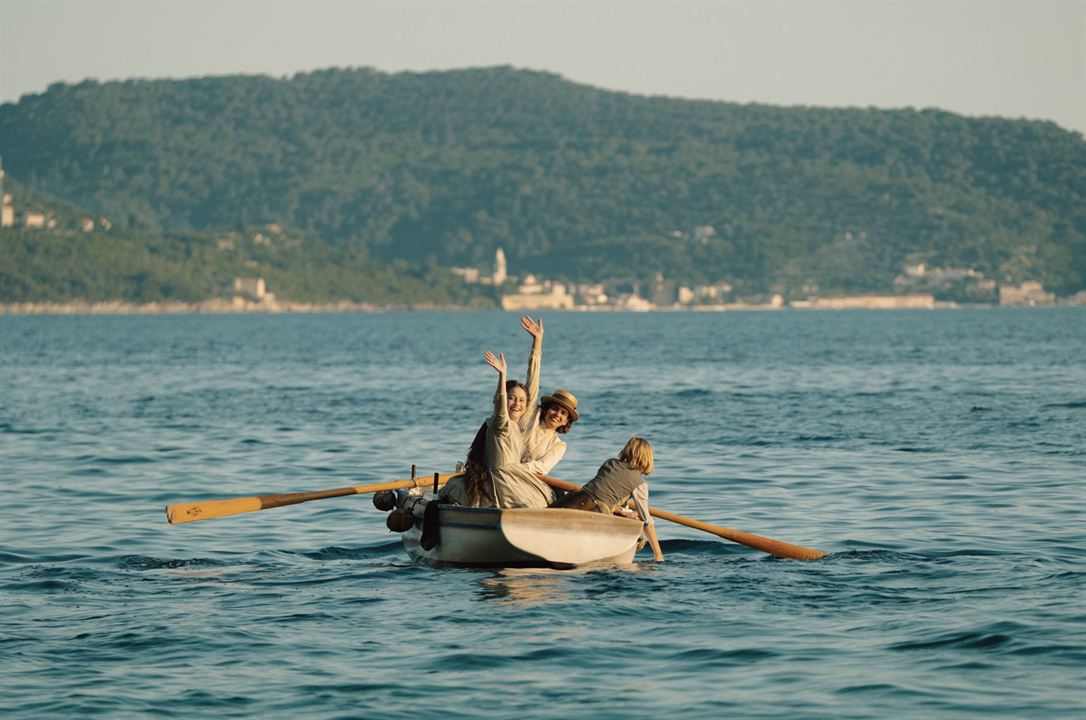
x,y
615,483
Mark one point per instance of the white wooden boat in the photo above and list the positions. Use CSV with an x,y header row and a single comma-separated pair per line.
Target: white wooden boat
x,y
557,538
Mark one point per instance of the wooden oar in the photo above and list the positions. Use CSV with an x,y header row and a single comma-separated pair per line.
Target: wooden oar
x,y
208,509
764,544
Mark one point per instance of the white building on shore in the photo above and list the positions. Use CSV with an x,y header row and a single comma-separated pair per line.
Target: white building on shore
x,y
535,295
251,288
1028,293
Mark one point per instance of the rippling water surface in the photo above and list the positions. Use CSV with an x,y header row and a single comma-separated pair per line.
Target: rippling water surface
x,y
939,456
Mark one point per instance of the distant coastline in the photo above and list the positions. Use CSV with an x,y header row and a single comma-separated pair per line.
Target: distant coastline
x,y
173,307
225,307
238,305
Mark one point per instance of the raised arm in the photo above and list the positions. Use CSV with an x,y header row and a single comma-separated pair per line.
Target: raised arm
x,y
531,380
501,408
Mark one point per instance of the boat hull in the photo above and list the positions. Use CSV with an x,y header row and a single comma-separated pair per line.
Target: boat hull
x,y
523,537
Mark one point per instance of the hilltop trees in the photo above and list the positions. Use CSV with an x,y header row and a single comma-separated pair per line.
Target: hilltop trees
x,y
440,169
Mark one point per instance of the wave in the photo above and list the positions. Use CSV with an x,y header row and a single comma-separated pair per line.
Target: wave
x,y
14,430
701,547
991,637
714,657
336,552
1072,405
143,562
13,558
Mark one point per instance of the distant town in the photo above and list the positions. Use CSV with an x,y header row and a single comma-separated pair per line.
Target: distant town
x,y
532,292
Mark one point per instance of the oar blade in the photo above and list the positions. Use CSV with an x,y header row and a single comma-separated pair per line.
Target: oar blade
x,y
209,509
191,512
773,547
777,548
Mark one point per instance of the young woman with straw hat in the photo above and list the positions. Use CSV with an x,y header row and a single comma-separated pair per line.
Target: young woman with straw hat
x,y
518,441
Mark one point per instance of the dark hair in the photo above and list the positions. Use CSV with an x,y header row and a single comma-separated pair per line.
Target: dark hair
x,y
476,478
569,422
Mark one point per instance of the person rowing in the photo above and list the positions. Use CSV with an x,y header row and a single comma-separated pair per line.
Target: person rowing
x,y
617,481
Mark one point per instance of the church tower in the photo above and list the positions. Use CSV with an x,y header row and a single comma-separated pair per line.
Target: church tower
x,y
7,212
500,275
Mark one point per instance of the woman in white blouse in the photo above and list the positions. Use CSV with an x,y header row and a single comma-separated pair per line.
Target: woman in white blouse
x,y
519,441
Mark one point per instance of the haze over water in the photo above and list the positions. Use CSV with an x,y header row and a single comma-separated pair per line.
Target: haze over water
x,y
939,456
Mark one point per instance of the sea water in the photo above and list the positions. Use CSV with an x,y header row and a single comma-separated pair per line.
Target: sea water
x,y
940,456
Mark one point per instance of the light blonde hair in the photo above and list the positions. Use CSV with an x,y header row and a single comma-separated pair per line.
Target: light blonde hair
x,y
638,454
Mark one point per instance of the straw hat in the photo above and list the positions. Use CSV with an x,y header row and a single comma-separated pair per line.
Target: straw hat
x,y
566,400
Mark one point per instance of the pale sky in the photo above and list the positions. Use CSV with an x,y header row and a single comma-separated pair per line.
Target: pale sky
x,y
973,57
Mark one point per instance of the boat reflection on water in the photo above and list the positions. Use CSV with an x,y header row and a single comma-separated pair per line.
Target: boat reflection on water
x,y
540,586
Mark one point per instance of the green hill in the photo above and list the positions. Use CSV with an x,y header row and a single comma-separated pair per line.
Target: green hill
x,y
440,169
66,264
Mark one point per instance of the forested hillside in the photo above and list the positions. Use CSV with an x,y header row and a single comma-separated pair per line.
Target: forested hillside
x,y
440,169
66,264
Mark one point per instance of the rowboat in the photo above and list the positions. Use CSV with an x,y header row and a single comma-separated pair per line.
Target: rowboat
x,y
521,537
474,536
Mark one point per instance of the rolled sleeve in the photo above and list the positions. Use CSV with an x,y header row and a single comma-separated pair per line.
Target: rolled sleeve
x,y
641,503
531,413
499,422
